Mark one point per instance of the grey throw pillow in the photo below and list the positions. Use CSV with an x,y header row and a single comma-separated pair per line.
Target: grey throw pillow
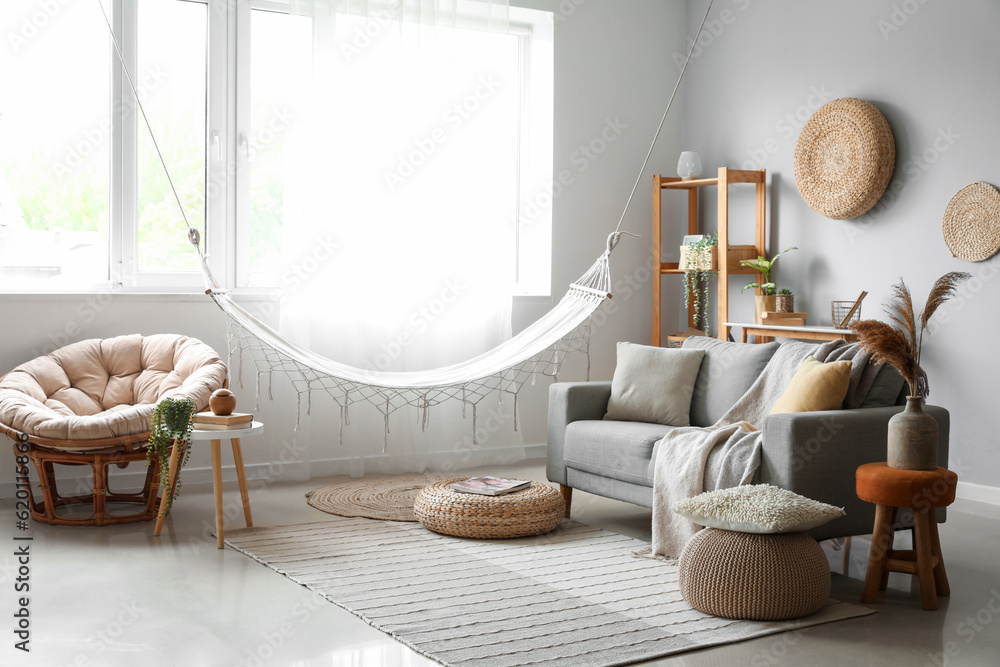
x,y
726,373
653,384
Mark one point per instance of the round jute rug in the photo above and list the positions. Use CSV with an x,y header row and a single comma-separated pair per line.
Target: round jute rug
x,y
387,498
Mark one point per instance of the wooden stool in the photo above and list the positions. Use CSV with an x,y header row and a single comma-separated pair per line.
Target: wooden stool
x,y
923,491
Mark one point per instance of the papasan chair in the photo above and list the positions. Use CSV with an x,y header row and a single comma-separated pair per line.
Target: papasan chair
x,y
90,403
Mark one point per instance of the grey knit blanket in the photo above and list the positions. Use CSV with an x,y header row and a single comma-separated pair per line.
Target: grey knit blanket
x,y
691,460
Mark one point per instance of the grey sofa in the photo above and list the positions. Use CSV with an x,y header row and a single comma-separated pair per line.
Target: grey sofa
x,y
814,454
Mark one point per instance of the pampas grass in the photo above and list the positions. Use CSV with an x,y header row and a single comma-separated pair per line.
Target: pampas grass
x,y
900,345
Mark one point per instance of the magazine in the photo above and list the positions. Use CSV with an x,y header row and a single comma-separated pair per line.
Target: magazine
x,y
490,486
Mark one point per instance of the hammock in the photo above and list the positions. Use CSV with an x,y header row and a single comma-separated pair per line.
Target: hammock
x,y
539,349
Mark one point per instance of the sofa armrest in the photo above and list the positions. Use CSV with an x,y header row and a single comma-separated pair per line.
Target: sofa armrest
x,y
816,454
570,402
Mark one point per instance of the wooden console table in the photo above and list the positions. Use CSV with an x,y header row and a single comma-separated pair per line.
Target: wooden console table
x,y
761,331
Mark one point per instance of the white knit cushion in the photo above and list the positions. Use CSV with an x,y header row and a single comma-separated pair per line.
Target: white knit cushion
x,y
756,508
653,384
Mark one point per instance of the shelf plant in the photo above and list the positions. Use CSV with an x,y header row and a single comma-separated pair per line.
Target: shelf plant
x,y
697,270
764,266
173,421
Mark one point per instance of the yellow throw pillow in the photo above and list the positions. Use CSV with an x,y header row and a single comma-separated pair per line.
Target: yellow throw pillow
x,y
816,386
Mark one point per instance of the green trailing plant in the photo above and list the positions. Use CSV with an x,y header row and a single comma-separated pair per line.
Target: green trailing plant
x,y
899,344
764,266
173,420
696,280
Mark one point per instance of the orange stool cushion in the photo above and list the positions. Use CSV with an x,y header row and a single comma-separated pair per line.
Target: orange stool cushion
x,y
920,489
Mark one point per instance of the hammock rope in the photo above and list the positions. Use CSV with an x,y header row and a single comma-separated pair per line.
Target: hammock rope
x,y
540,349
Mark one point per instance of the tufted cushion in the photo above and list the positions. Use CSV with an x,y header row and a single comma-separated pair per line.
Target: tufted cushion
x,y
107,388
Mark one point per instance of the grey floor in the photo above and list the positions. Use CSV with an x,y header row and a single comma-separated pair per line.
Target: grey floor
x,y
118,596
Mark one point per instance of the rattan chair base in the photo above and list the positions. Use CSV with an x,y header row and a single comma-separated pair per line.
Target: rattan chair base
x,y
532,511
748,576
100,496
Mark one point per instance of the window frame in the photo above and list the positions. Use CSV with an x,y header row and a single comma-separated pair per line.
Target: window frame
x,y
226,240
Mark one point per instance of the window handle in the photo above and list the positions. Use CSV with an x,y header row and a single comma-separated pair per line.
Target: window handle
x,y
244,144
217,145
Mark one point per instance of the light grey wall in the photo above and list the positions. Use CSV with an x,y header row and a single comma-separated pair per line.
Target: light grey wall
x,y
606,76
610,63
931,68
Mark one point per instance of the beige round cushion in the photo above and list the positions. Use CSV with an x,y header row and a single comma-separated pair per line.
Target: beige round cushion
x,y
532,511
752,576
106,388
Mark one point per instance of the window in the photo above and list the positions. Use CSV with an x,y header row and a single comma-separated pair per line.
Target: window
x,y
227,87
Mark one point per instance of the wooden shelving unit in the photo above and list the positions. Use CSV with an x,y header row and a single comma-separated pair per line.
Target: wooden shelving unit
x,y
729,255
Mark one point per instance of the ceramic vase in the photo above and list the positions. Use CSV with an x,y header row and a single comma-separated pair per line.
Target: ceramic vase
x,y
784,303
913,438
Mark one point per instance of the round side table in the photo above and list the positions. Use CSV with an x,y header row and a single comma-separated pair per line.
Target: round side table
x,y
216,438
923,491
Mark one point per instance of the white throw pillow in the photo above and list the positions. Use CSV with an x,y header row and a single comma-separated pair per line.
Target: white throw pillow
x,y
654,384
756,508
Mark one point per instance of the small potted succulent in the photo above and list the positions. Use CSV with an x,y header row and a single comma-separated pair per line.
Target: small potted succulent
x,y
766,301
784,301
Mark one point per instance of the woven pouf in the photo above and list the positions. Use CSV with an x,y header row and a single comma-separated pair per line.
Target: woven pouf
x,y
532,511
754,577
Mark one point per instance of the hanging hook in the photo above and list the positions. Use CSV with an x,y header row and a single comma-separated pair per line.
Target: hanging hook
x,y
615,237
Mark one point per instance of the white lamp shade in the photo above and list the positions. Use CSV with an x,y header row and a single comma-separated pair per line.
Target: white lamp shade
x,y
689,166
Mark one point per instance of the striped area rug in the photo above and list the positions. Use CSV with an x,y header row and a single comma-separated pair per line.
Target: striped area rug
x,y
575,597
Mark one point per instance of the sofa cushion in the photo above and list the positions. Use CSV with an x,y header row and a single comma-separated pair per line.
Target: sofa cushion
x,y
727,371
815,387
653,384
886,388
619,450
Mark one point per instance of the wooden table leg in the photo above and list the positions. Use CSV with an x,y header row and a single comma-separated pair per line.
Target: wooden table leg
x,y
940,576
567,494
217,480
877,557
925,562
175,464
890,538
242,477
743,335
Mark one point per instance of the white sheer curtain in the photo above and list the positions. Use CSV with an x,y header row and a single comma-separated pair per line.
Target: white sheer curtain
x,y
403,173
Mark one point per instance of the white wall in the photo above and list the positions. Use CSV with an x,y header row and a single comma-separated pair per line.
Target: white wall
x,y
931,68
612,80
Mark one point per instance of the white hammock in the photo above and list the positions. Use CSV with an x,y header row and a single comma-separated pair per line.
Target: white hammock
x,y
538,349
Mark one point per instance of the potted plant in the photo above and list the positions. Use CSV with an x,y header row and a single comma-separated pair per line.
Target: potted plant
x,y
784,301
171,426
913,434
699,261
765,301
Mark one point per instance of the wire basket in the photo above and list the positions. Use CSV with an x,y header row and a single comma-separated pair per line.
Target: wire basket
x,y
839,310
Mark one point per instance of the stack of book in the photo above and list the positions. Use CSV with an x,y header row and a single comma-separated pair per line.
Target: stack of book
x,y
208,421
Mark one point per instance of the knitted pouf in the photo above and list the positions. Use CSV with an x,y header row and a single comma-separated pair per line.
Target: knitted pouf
x,y
754,577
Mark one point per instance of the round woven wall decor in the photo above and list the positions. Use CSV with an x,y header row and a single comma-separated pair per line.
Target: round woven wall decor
x,y
386,498
971,224
844,158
